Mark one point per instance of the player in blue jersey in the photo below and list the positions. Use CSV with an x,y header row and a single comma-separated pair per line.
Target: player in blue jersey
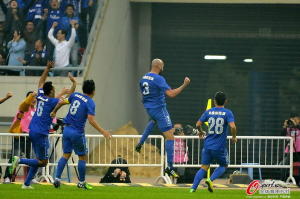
x,y
40,125
154,88
82,108
215,142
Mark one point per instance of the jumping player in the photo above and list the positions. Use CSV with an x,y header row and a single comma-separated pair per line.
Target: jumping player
x,y
154,88
215,142
40,125
82,108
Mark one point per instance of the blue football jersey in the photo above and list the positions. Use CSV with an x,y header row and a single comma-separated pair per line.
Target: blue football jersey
x,y
41,120
153,87
218,119
81,106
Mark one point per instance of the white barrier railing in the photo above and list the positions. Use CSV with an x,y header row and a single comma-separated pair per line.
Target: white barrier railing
x,y
101,151
248,152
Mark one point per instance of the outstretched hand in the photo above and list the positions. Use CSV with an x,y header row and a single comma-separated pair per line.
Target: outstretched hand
x,y
186,81
9,95
106,134
50,64
71,77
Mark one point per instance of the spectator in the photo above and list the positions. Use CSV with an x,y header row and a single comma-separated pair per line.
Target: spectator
x,y
180,151
31,35
54,15
13,19
21,145
2,37
88,11
62,46
35,11
65,3
16,48
38,57
65,24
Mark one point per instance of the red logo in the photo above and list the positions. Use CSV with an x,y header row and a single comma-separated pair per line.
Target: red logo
x,y
253,187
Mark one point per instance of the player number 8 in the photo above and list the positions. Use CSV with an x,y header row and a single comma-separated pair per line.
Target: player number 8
x,y
74,107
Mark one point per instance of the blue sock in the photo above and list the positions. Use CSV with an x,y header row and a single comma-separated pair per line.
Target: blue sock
x,y
81,170
31,174
147,131
198,177
170,152
29,162
217,173
60,167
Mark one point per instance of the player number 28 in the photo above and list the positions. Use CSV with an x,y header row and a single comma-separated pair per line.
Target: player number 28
x,y
146,88
74,107
217,123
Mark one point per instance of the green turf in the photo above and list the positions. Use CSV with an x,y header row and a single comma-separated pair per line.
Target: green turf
x,y
11,191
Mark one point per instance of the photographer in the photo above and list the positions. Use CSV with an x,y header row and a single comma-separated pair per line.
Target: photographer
x,y
291,128
180,151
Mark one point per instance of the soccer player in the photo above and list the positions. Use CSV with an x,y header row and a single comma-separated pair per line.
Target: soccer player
x,y
40,125
215,142
154,88
82,108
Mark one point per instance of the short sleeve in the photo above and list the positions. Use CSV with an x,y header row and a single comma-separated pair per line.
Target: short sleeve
x,y
230,117
162,84
91,107
40,92
55,101
204,117
71,98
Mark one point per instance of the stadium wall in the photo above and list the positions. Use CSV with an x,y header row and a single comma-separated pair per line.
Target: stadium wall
x,y
120,57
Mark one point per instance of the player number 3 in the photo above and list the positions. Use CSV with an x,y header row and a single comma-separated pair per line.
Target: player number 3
x,y
146,88
74,107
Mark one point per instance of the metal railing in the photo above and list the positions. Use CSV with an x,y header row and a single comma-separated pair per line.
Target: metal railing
x,y
101,151
248,152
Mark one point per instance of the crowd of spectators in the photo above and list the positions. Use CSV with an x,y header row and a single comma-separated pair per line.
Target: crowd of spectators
x,y
35,31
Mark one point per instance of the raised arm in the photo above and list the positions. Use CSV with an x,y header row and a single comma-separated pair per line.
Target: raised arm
x,y
233,131
73,34
45,74
174,92
95,124
8,95
50,34
58,106
66,91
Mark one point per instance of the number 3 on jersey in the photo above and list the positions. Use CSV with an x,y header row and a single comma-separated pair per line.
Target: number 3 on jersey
x,y
146,88
74,107
217,123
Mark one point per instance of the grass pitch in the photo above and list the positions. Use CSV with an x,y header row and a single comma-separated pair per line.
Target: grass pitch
x,y
13,191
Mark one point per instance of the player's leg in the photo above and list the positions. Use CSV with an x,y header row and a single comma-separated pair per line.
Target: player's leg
x,y
222,160
146,133
205,161
165,125
67,149
41,146
79,146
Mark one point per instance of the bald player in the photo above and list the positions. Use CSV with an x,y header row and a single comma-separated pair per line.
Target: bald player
x,y
154,88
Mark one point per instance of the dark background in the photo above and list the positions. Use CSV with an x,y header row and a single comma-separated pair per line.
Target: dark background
x,y
261,94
